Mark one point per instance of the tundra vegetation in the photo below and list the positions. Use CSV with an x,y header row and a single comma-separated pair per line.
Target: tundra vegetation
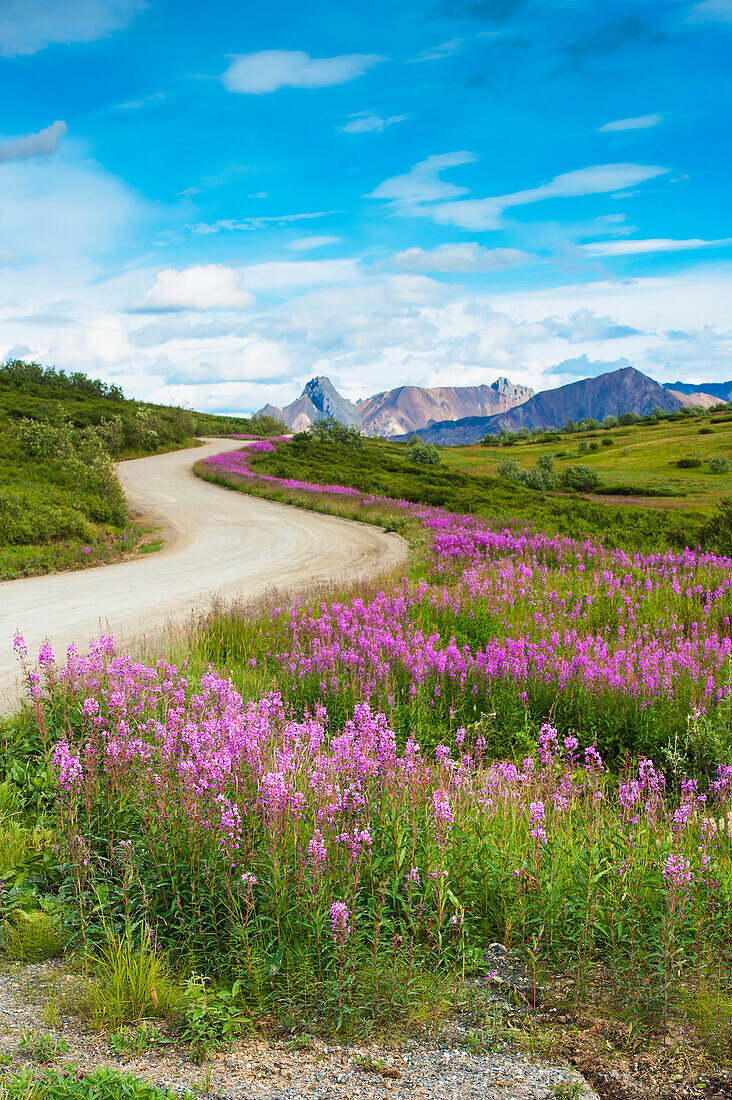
x,y
320,814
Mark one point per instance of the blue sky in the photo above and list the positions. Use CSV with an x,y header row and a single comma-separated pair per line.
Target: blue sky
x,y
211,203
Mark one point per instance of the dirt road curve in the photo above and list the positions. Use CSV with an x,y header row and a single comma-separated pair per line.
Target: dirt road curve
x,y
218,543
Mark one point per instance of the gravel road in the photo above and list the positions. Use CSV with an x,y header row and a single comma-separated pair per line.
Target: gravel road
x,y
218,544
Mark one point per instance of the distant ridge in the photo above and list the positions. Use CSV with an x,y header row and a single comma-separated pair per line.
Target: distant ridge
x,y
620,391
393,412
721,390
410,408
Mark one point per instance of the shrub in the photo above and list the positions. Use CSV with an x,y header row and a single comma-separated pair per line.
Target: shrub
x,y
329,430
706,431
594,445
424,454
688,463
510,469
718,464
609,422
607,441
581,478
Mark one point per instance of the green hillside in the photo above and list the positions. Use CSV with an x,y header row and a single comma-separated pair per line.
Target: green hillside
x,y
632,460
61,505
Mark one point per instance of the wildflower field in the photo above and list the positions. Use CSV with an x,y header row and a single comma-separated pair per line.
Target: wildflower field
x,y
340,803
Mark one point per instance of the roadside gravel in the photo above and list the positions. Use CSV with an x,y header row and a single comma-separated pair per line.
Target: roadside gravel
x,y
438,1069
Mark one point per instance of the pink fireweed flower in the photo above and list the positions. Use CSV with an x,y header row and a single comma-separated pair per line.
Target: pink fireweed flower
x,y
677,871
340,916
537,816
66,768
442,815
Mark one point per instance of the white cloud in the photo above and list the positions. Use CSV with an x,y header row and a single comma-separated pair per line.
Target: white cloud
x,y
600,179
29,146
268,70
65,211
275,277
444,49
422,184
27,26
658,244
366,122
305,244
422,193
248,225
642,122
209,286
585,326
711,11
460,257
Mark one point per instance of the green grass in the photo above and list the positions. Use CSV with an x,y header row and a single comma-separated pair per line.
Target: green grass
x,y
61,506
381,468
642,457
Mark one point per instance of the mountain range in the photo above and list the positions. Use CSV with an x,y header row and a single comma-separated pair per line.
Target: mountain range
x,y
403,410
464,414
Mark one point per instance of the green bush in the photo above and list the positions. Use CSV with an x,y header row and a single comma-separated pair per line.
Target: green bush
x,y
718,464
329,430
423,454
607,441
688,463
581,478
706,431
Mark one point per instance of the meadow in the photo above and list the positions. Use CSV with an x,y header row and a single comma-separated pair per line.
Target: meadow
x,y
327,811
632,459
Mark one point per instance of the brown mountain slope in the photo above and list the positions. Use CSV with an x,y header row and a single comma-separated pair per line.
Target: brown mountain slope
x,y
619,391
410,408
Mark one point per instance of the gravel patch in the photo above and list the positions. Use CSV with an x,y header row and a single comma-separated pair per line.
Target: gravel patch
x,y
260,1070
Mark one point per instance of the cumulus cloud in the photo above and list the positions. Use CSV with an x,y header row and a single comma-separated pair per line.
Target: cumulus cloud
x,y
305,244
27,26
422,193
29,146
268,70
655,244
366,122
460,257
208,286
641,122
585,325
